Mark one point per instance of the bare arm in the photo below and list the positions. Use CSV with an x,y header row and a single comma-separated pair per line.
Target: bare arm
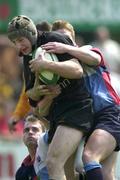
x,y
21,109
84,53
42,110
70,69
43,106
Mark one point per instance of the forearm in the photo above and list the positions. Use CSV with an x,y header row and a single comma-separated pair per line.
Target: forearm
x,y
43,107
70,69
85,55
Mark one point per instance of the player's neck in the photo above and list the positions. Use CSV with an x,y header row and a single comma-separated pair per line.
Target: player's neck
x,y
32,152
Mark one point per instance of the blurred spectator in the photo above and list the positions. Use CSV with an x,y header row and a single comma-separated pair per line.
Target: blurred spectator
x,y
4,117
10,86
4,40
110,48
79,40
111,51
10,68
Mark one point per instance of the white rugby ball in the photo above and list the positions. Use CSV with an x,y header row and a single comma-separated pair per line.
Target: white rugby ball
x,y
46,76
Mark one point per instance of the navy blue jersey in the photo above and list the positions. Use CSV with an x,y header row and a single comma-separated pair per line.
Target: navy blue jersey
x,y
26,170
99,85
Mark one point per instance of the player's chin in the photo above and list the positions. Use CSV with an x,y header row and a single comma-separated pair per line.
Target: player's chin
x,y
24,53
31,142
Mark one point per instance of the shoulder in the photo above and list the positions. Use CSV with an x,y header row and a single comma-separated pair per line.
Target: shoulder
x,y
26,169
25,172
27,161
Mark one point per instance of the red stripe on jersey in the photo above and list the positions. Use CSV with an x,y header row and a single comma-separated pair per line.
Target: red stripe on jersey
x,y
106,78
112,92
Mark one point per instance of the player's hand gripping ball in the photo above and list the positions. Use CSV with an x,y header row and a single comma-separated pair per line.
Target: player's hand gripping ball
x,y
46,76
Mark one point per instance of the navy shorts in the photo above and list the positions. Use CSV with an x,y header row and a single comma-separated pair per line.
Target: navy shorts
x,y
78,115
108,119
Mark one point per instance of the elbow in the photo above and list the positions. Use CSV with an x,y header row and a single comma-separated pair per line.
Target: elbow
x,y
78,70
96,61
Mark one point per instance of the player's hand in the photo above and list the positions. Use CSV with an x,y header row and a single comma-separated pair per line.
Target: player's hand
x,y
55,47
38,89
43,106
36,92
54,91
12,123
39,64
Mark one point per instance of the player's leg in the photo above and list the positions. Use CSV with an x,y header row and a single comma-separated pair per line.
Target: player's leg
x,y
63,145
70,168
70,171
102,142
40,161
109,165
99,146
108,168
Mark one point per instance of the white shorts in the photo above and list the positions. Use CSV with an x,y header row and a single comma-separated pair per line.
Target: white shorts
x,y
40,158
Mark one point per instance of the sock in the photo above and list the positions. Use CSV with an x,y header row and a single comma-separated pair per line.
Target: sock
x,y
93,171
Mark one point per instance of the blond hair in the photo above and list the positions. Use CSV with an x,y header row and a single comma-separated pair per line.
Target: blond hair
x,y
61,24
32,118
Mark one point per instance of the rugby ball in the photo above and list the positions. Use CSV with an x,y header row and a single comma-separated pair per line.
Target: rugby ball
x,y
47,77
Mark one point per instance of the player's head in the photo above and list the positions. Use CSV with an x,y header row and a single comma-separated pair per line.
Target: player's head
x,y
22,27
33,128
44,26
64,27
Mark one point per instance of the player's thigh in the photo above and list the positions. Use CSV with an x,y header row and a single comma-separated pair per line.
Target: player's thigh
x,y
99,145
64,143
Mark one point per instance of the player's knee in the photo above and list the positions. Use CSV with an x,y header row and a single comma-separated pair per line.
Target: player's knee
x,y
87,156
52,162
